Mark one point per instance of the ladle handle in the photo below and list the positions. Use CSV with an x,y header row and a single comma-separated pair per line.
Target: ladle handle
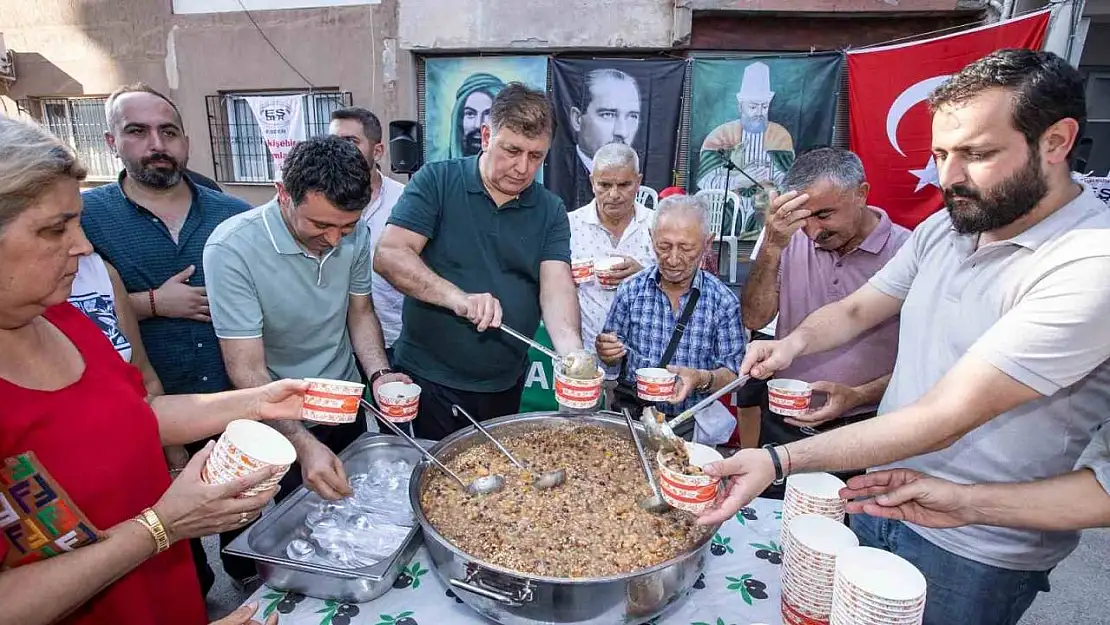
x,y
542,348
640,453
456,409
721,392
411,441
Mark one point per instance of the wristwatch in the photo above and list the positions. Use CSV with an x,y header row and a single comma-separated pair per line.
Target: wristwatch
x,y
379,373
704,388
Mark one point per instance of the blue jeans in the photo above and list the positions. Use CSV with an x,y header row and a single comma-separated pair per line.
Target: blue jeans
x,y
959,590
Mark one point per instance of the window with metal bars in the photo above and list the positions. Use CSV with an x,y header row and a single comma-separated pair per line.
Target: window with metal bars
x,y
81,123
239,153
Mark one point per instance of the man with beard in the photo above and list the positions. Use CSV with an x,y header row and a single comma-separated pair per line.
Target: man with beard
x,y
151,225
758,147
822,242
609,112
472,105
473,241
1002,373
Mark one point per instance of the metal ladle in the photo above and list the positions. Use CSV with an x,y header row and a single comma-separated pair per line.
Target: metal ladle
x,y
661,434
483,485
551,479
563,361
653,503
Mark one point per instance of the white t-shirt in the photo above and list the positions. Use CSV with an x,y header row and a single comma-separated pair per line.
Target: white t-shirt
x,y
387,300
93,295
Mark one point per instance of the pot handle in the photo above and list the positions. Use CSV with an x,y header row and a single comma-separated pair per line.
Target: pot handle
x,y
513,594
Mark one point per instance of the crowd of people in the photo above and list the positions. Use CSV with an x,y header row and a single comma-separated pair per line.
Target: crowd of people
x,y
963,366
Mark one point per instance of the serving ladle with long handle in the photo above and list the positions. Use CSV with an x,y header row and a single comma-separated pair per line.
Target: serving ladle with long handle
x,y
661,433
483,485
653,503
550,479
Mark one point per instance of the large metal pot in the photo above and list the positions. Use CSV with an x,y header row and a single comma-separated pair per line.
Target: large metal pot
x,y
514,598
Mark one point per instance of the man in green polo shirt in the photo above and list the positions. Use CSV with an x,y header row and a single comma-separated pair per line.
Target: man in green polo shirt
x,y
473,242
289,288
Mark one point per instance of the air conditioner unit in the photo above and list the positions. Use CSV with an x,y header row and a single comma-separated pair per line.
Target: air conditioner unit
x,y
7,62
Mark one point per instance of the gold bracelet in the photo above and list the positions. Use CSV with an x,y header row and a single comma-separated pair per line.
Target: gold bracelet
x,y
149,519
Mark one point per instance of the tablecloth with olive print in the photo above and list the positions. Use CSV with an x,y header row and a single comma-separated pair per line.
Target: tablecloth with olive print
x,y
740,587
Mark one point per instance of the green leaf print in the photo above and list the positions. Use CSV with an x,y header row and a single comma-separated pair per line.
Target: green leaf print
x,y
274,598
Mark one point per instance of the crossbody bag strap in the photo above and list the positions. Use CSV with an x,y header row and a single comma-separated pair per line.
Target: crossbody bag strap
x,y
679,329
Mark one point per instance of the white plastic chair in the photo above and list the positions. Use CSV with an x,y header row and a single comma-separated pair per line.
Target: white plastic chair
x,y
718,200
645,194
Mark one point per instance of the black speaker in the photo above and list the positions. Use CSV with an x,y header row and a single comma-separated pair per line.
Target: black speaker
x,y
406,146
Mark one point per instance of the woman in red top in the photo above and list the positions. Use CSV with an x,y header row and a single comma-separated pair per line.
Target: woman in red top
x,y
67,396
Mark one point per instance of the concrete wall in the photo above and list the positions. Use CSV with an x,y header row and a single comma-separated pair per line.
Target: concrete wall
x,y
428,25
71,47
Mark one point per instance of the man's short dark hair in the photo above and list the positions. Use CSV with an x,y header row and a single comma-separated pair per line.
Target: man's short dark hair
x,y
330,166
595,76
522,109
1046,89
136,87
371,125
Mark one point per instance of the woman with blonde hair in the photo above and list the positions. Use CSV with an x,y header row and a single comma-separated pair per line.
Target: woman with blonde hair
x,y
75,419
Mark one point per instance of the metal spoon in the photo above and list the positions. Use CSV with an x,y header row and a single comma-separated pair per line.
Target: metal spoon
x,y
563,361
550,479
480,486
653,503
661,434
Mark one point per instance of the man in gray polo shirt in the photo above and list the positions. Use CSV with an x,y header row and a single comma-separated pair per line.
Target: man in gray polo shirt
x,y
289,287
1002,371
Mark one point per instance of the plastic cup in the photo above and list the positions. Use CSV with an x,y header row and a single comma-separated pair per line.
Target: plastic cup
x,y
654,384
692,493
331,402
399,402
246,447
789,398
582,269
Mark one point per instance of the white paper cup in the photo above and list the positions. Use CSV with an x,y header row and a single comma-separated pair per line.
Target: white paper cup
x,y
654,384
603,268
789,398
245,447
582,269
331,402
575,393
692,493
399,402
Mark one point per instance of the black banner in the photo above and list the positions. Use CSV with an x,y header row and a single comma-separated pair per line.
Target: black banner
x,y
601,101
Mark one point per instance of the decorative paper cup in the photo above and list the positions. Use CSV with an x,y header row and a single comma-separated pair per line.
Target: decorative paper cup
x,y
654,384
810,493
331,401
246,447
789,398
399,402
811,544
582,269
575,393
603,268
692,493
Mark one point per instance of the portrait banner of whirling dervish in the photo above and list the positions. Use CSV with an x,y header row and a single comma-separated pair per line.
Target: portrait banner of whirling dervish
x,y
458,93
637,102
750,117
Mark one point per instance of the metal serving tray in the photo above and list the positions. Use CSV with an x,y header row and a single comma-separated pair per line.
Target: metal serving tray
x,y
265,541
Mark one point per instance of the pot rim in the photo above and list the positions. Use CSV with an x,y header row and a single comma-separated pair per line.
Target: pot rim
x,y
525,417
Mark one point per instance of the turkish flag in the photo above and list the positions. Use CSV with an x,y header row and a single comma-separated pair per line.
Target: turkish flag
x,y
891,129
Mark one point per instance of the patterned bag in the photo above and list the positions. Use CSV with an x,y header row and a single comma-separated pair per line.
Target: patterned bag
x,y
37,518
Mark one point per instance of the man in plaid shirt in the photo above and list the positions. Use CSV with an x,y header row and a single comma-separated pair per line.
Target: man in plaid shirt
x,y
648,305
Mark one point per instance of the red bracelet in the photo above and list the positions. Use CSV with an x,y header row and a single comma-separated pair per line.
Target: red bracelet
x,y
153,309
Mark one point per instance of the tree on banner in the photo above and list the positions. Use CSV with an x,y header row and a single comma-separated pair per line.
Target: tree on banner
x,y
891,128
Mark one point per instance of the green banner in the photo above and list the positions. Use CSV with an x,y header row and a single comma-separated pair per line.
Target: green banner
x,y
750,116
539,383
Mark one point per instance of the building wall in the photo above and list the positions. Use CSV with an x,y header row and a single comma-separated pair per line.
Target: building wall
x,y
70,48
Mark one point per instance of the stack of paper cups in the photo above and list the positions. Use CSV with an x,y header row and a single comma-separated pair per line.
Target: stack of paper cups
x,y
876,587
246,447
811,493
809,567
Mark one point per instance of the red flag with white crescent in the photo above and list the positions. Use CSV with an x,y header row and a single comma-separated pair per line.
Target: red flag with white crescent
x,y
890,125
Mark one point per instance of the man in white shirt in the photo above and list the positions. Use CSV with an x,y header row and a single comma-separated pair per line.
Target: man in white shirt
x,y
613,224
362,128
